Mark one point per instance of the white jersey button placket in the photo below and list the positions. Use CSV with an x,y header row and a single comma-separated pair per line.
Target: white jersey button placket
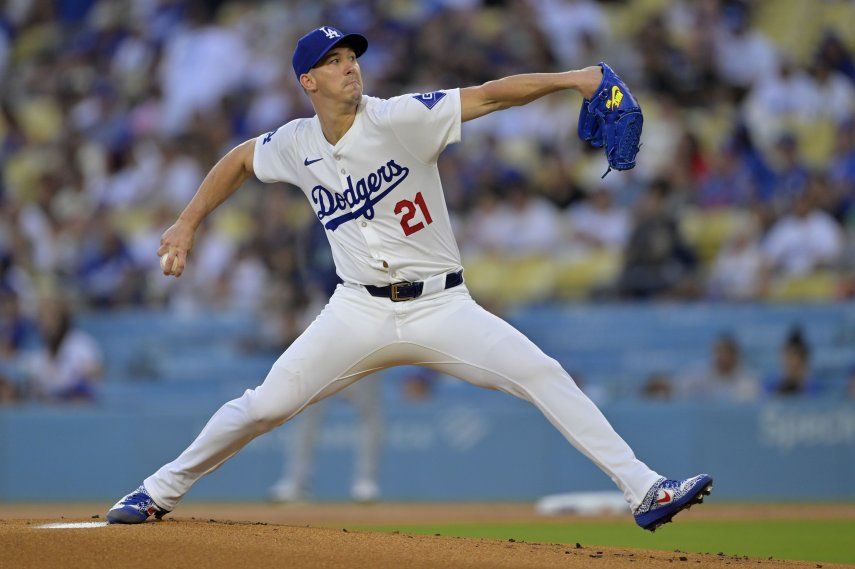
x,y
372,239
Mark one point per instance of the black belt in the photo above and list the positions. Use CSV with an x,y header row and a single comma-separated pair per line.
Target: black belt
x,y
399,292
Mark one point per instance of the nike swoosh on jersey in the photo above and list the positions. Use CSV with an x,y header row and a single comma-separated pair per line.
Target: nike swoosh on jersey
x,y
306,162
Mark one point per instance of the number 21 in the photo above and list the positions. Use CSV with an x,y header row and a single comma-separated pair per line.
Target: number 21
x,y
409,209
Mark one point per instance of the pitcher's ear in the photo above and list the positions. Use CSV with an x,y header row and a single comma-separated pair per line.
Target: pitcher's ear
x,y
308,82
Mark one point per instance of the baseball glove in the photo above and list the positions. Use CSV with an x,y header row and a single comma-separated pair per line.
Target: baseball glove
x,y
612,119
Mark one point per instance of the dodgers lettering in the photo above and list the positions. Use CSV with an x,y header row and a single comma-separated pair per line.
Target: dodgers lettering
x,y
360,197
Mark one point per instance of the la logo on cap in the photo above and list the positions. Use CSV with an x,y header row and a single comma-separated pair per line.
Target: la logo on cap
x,y
330,32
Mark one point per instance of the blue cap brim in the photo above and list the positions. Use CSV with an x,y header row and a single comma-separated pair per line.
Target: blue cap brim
x,y
357,42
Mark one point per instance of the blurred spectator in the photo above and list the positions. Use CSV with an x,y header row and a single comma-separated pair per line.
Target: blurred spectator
x,y
15,328
743,54
841,171
201,63
691,165
8,391
248,279
4,48
794,377
180,173
419,385
657,260
834,53
661,59
658,387
791,176
725,379
575,28
15,332
729,181
694,26
801,242
597,223
38,223
107,272
824,198
787,94
755,161
484,230
127,180
834,90
520,225
533,225
738,271
660,140
68,365
554,182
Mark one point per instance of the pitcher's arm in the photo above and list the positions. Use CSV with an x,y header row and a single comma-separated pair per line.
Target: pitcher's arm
x,y
221,182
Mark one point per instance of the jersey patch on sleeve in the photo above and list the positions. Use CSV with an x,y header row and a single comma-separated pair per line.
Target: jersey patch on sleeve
x,y
268,138
429,99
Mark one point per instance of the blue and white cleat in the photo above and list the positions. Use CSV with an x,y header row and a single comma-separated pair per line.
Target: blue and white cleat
x,y
666,498
135,508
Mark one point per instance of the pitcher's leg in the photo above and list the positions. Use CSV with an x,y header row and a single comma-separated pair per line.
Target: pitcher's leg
x,y
483,349
315,366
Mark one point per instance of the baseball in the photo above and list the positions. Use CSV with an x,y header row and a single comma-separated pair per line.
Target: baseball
x,y
163,263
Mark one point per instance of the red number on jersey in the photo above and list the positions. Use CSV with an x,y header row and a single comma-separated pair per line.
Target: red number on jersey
x,y
420,200
409,209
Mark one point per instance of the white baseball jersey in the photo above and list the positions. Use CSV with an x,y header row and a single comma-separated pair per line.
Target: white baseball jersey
x,y
377,191
378,194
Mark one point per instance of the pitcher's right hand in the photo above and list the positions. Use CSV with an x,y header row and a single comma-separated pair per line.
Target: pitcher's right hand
x,y
177,242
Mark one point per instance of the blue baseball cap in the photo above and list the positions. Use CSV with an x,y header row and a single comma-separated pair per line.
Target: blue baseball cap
x,y
312,47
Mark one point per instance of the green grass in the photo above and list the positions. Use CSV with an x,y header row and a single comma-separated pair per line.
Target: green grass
x,y
830,540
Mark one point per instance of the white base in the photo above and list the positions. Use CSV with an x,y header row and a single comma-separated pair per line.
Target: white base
x,y
606,503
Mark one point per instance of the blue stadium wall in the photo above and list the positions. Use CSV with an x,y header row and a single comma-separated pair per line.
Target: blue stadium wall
x,y
491,451
466,443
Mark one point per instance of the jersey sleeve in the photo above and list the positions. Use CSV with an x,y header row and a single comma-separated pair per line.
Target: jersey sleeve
x,y
426,123
273,160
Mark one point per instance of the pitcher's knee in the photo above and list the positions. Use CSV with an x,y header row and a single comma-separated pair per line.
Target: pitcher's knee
x,y
546,372
282,394
266,413
541,369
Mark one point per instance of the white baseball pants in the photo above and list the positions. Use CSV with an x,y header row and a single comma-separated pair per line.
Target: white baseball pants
x,y
357,334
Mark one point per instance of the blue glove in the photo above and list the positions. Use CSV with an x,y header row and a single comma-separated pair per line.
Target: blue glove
x,y
612,119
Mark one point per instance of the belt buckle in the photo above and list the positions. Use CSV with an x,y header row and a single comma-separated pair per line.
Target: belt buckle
x,y
395,297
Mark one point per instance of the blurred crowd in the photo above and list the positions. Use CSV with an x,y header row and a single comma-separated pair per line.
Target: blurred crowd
x,y
728,377
112,111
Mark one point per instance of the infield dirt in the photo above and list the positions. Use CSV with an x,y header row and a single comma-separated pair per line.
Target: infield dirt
x,y
301,537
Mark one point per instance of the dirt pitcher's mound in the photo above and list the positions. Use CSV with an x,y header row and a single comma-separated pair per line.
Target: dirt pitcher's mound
x,y
192,543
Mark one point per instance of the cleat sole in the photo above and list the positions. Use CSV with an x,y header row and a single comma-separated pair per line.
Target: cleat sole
x,y
125,516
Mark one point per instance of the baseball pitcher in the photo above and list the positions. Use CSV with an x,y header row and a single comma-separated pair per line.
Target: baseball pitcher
x,y
368,167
